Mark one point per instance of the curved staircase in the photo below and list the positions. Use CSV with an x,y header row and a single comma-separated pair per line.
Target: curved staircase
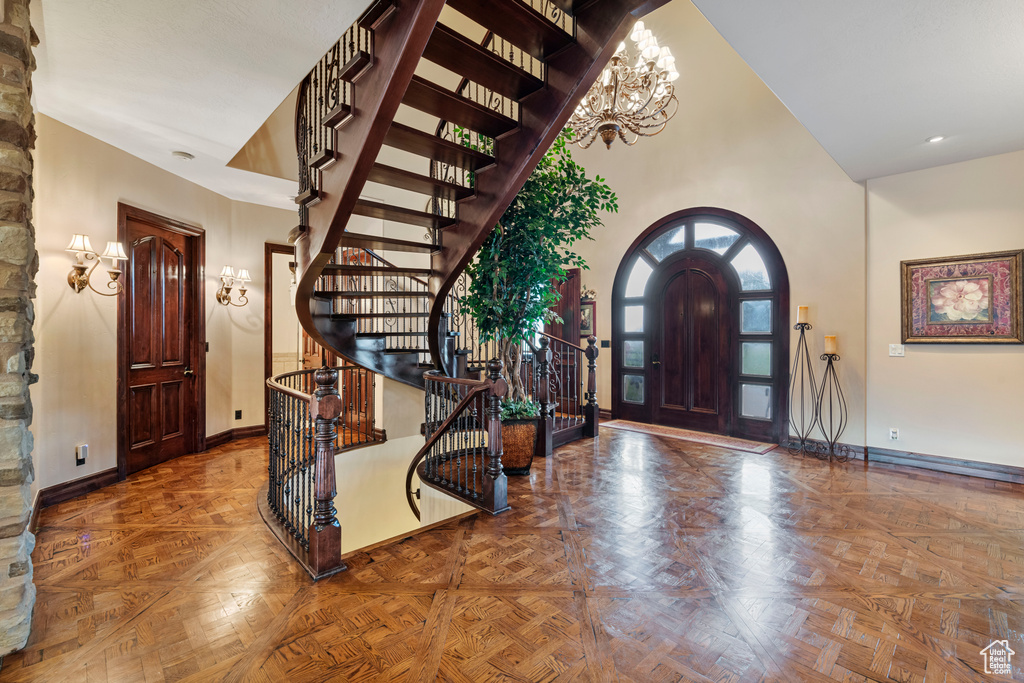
x,y
474,147
414,134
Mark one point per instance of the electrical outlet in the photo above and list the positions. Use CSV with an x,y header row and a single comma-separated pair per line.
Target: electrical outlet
x,y
81,453
238,414
606,343
897,350
894,434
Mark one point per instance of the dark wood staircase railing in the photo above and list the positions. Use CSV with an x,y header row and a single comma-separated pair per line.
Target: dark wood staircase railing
x,y
462,454
306,410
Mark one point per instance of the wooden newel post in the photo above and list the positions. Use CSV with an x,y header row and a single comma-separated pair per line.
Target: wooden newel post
x,y
542,393
325,406
495,485
590,410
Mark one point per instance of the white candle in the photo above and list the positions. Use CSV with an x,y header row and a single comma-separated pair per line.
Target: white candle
x,y
830,344
801,314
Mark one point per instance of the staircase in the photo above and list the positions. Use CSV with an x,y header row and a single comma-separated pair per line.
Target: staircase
x,y
426,117
382,107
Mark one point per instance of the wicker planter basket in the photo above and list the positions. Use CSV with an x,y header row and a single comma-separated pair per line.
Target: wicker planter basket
x,y
519,441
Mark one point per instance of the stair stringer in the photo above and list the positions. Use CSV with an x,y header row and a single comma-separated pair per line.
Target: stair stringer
x,y
600,26
399,41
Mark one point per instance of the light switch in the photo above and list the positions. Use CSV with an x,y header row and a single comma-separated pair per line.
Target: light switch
x,y
896,350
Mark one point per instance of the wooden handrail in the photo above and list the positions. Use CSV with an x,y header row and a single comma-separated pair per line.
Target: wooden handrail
x,y
562,341
463,381
389,264
288,391
481,387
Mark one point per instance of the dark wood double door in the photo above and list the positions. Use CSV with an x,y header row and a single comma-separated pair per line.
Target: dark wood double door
x,y
690,338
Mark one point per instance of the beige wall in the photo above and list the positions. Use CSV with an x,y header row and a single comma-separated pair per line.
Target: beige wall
x,y
79,181
733,145
956,401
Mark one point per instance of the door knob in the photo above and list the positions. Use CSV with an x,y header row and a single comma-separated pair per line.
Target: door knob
x,y
188,372
655,360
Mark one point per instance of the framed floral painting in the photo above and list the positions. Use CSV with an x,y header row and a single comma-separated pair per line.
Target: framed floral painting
x,y
963,299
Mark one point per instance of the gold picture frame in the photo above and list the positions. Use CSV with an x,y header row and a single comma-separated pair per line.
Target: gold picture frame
x,y
970,299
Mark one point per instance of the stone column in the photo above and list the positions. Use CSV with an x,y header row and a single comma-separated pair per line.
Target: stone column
x,y
18,265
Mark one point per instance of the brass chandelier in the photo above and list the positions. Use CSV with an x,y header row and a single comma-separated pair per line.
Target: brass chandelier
x,y
629,101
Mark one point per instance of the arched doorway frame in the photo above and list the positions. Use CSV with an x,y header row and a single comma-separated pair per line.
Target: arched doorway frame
x,y
749,234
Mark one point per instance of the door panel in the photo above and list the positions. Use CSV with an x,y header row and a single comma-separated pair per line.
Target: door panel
x,y
142,255
172,409
162,310
689,334
141,414
673,344
173,319
706,328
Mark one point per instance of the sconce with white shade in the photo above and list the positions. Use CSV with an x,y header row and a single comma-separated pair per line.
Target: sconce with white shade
x,y
79,276
228,280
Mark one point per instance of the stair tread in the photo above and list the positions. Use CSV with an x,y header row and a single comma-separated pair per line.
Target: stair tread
x,y
414,182
386,243
348,294
415,141
399,214
453,51
393,334
571,6
355,270
443,103
381,315
516,22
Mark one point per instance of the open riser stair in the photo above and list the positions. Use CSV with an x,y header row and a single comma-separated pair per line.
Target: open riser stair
x,y
414,134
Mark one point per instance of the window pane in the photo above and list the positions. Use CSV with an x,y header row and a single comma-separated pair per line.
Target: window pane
x,y
717,238
750,267
756,317
634,319
633,354
757,359
638,278
668,243
633,388
756,401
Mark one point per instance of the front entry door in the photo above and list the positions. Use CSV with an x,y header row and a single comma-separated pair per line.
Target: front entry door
x,y
691,335
160,353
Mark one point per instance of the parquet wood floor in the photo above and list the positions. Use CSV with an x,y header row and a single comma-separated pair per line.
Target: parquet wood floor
x,y
629,558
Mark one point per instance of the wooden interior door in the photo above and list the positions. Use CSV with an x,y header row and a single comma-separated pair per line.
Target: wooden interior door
x,y
161,360
690,362
564,365
567,308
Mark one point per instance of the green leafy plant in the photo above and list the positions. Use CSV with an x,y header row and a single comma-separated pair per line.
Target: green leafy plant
x,y
510,290
519,410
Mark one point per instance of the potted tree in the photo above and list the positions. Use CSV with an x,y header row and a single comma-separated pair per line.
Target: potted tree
x,y
510,291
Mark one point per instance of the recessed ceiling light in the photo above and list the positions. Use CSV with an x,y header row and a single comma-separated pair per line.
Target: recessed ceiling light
x,y
936,138
185,156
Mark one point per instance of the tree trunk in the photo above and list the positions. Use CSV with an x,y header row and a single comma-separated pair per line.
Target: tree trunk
x,y
512,358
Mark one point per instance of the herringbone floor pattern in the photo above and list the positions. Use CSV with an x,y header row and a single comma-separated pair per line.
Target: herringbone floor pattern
x,y
629,558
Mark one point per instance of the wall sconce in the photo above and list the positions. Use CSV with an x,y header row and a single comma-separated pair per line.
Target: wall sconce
x,y
78,278
228,279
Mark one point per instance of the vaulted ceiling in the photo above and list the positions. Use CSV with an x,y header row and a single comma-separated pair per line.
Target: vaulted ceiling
x,y
871,79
